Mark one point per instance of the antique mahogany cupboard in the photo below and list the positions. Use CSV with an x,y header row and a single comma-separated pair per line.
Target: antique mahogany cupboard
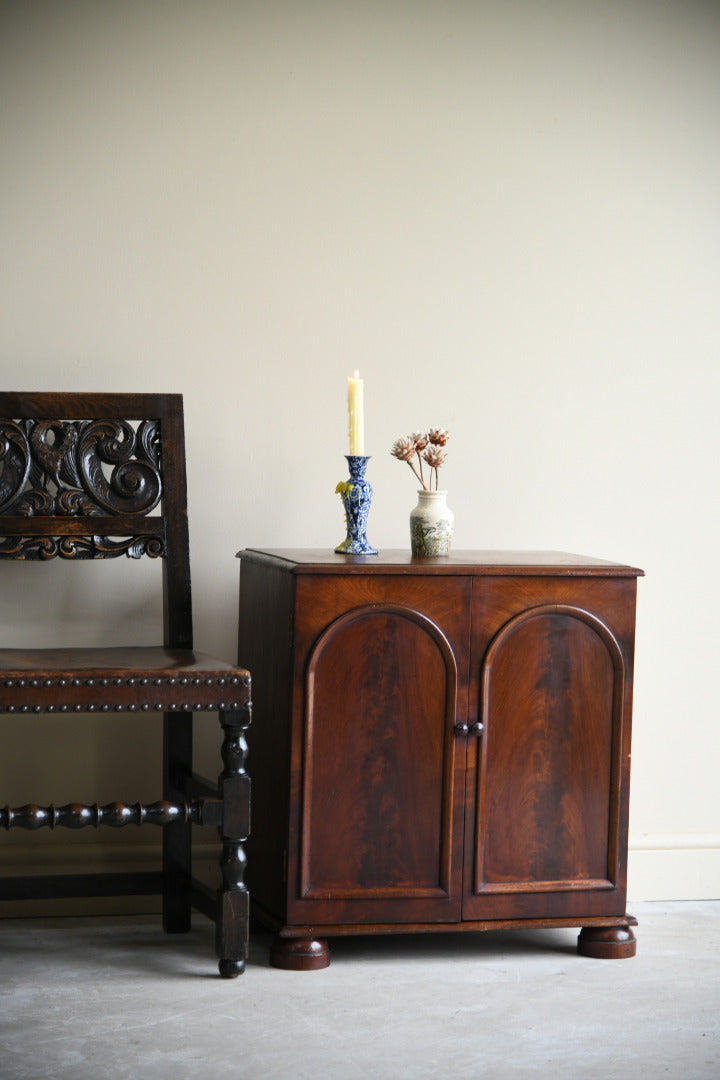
x,y
438,744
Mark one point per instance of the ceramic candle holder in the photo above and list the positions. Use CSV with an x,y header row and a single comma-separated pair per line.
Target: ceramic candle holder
x,y
356,495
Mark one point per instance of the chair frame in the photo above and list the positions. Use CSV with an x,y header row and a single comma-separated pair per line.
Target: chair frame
x,y
81,476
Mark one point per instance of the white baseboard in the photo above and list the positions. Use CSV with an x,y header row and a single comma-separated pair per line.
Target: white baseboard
x,y
677,866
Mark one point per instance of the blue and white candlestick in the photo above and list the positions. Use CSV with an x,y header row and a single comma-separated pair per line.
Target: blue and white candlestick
x,y
356,495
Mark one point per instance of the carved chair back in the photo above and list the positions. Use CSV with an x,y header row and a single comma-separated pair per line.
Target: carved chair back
x,y
97,476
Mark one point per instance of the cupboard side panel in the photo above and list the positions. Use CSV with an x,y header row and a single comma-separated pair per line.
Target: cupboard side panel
x,y
265,647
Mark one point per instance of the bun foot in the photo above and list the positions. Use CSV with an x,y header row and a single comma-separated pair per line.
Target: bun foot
x,y
608,942
230,969
300,954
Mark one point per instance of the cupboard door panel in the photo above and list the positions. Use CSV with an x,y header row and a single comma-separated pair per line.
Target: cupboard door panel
x,y
548,785
378,765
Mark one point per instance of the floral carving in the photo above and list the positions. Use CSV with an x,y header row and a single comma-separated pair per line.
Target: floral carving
x,y
73,467
79,469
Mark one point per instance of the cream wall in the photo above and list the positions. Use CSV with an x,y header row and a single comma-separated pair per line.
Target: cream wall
x,y
506,215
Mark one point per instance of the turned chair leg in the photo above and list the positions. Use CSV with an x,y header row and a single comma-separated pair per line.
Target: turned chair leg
x,y
233,900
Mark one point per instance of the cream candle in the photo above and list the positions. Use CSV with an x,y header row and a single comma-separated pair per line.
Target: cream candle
x,y
356,419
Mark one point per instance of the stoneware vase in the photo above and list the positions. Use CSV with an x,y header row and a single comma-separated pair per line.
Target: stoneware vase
x,y
431,524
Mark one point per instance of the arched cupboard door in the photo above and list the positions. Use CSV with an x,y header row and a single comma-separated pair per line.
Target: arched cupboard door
x,y
380,837
546,804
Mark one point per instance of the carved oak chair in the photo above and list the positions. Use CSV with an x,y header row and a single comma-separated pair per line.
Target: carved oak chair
x,y
96,476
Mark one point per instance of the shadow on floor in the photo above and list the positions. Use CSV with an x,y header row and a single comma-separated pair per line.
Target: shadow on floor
x,y
117,943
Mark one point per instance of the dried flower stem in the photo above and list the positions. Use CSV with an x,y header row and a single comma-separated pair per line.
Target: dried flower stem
x,y
418,474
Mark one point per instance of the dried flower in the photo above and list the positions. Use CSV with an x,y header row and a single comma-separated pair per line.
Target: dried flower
x,y
435,456
408,447
404,448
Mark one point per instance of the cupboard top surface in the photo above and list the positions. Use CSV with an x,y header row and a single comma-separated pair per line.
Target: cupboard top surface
x,y
518,563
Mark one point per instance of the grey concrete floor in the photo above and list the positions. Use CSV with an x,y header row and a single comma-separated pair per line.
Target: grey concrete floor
x,y
114,998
